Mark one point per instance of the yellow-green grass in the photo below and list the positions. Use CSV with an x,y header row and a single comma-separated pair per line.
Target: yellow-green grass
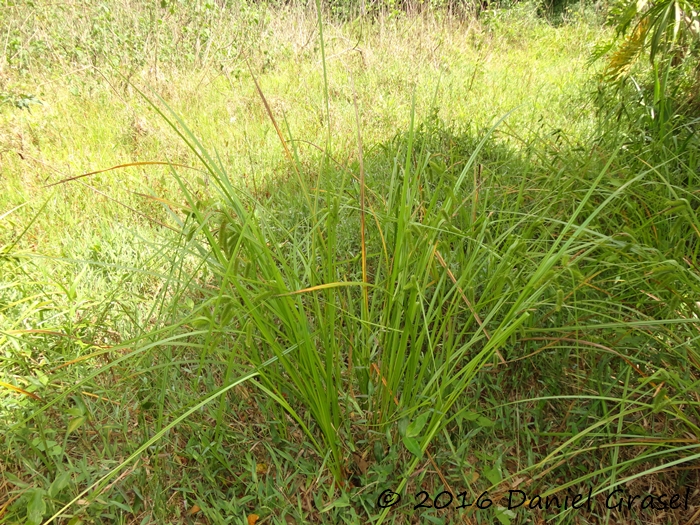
x,y
90,120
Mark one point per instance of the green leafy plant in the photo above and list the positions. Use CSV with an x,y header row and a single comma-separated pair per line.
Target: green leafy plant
x,y
19,100
664,28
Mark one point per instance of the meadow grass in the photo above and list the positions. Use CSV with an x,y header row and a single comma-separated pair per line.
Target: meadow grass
x,y
453,274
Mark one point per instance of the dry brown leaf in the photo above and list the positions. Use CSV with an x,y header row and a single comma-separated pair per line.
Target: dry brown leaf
x,y
364,465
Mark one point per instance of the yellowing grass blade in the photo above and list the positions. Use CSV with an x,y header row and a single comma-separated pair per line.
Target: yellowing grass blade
x,y
19,390
272,117
127,165
323,287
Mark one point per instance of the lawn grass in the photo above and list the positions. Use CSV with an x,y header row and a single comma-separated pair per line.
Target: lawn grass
x,y
457,274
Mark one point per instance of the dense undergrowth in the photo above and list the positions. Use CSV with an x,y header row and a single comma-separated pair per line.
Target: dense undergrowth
x,y
463,306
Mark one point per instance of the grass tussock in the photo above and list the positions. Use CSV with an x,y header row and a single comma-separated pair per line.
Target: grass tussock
x,y
363,266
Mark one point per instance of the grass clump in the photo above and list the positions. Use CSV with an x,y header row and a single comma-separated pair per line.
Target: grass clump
x,y
459,307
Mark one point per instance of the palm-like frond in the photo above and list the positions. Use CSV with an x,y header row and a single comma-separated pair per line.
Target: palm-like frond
x,y
662,26
622,60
